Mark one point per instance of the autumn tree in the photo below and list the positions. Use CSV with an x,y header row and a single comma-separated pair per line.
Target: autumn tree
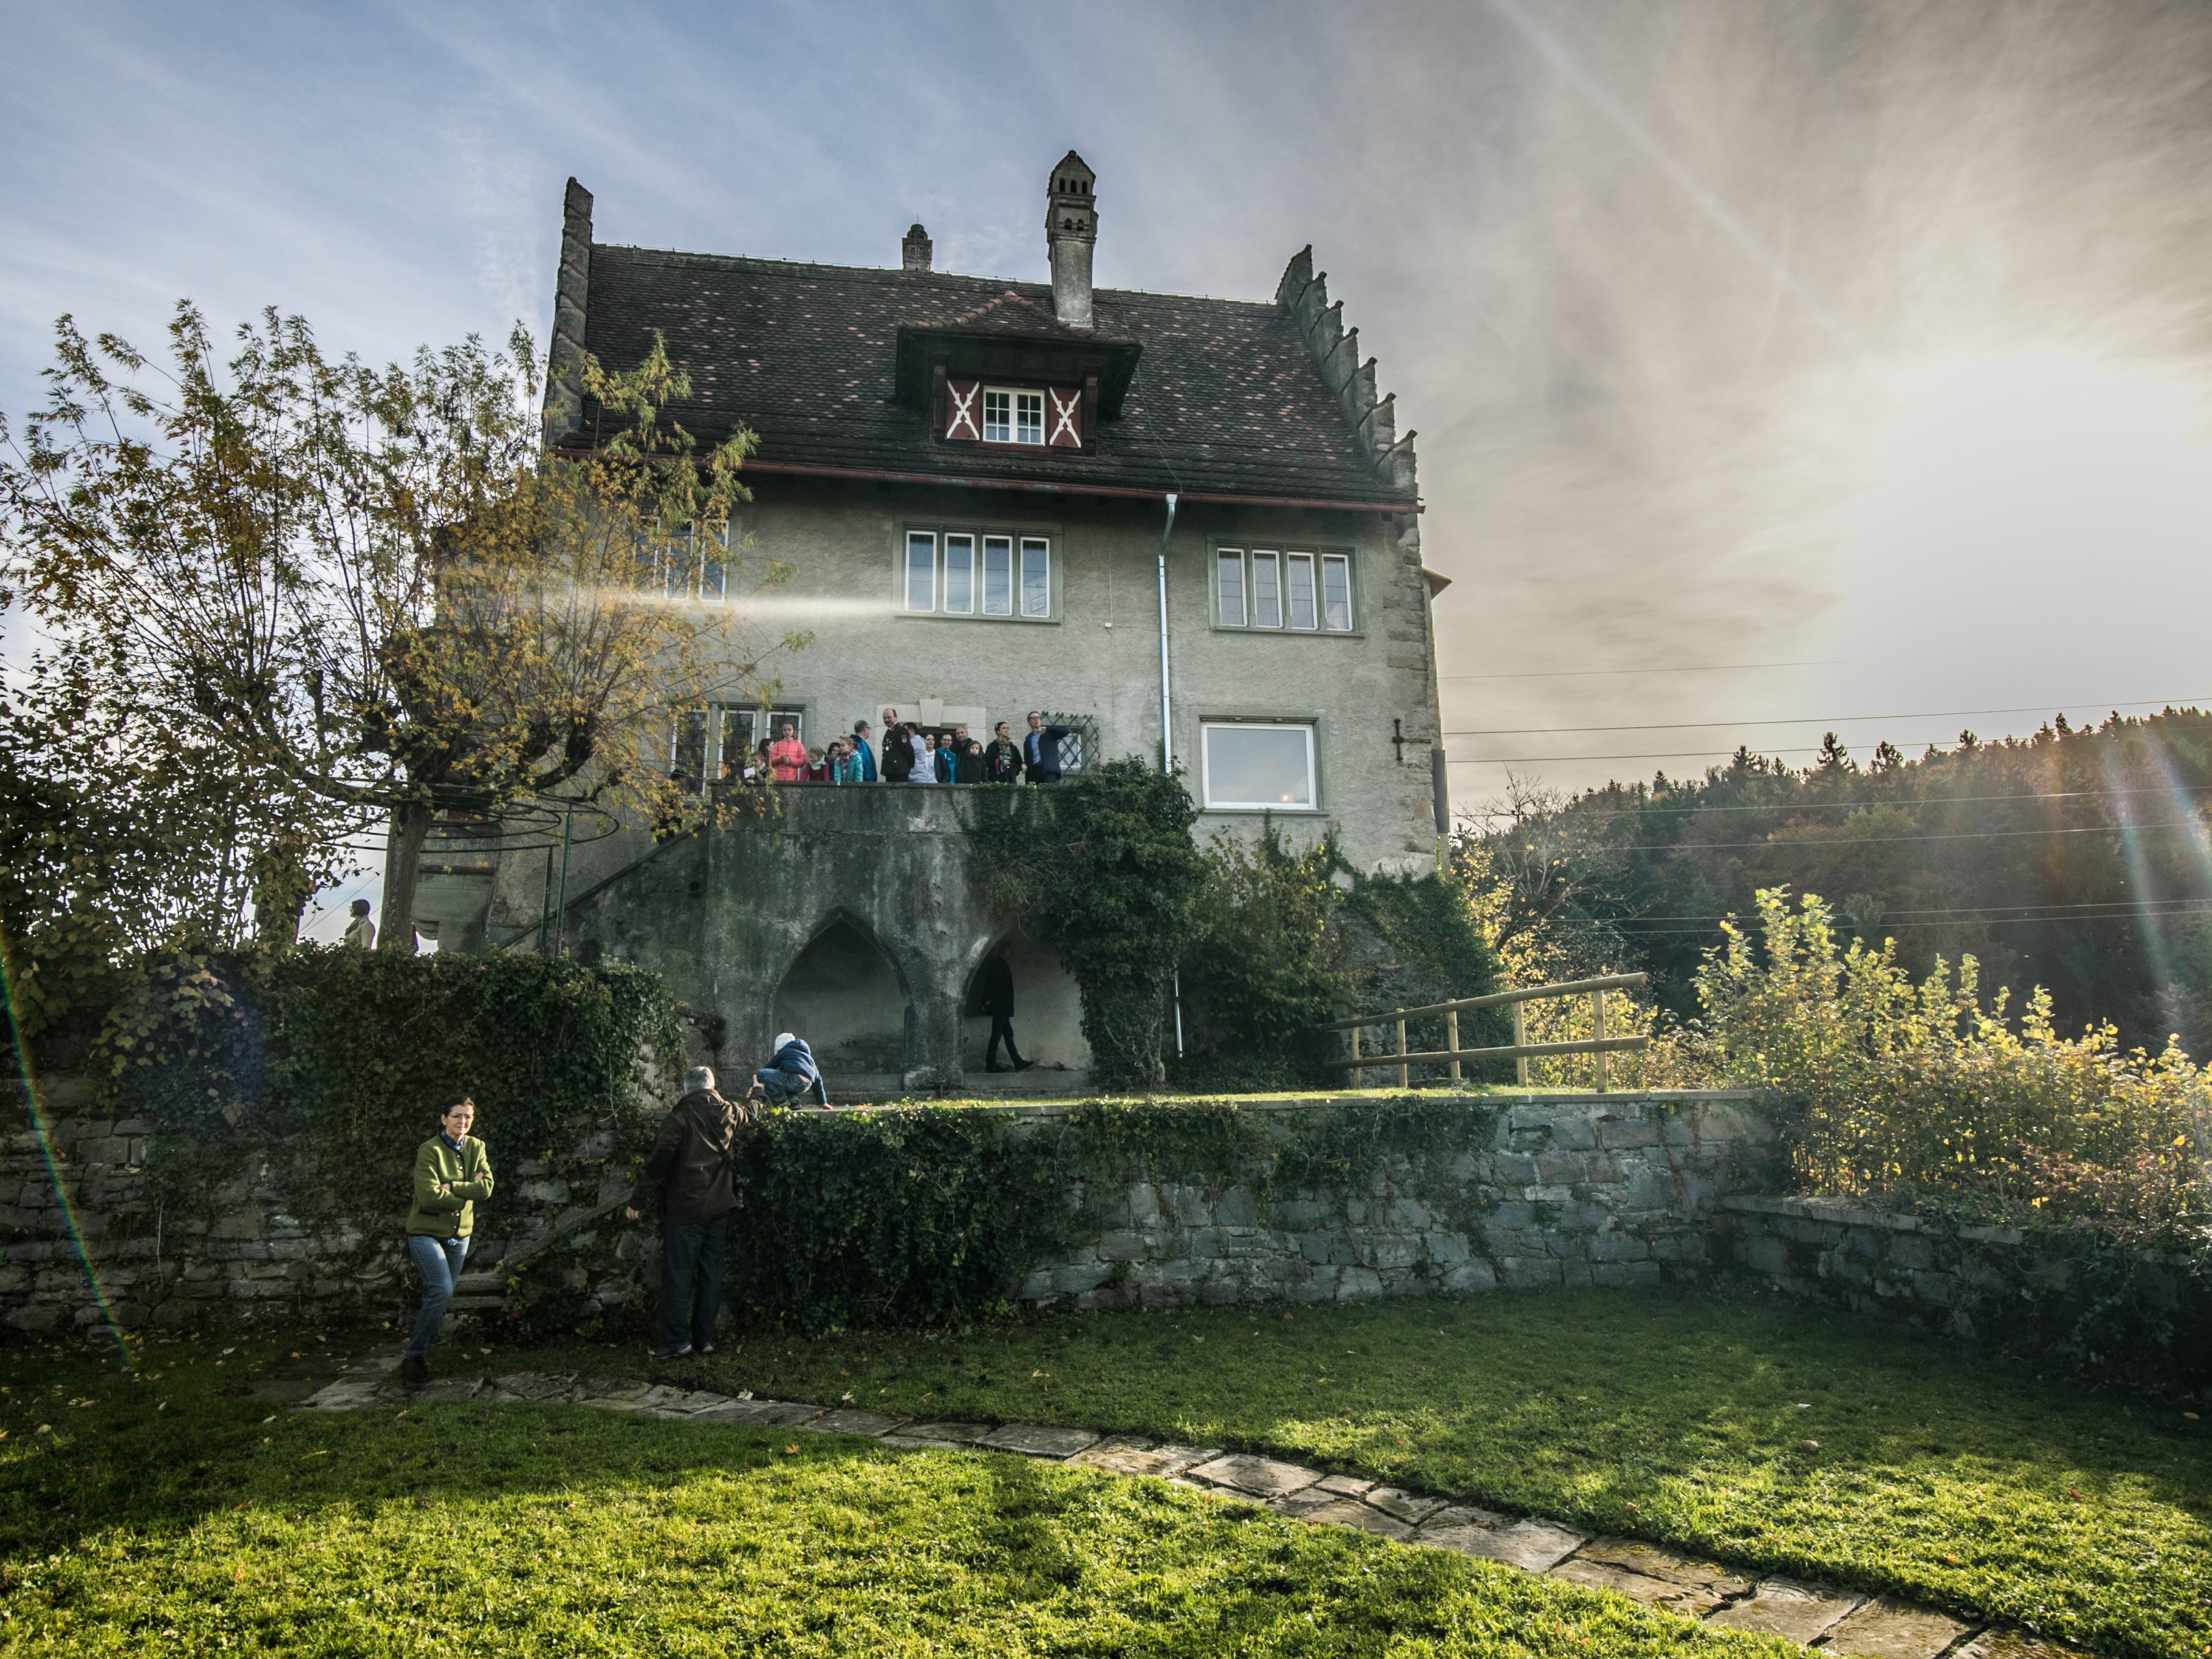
x,y
367,591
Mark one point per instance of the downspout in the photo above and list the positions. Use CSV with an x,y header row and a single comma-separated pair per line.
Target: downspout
x,y
1167,728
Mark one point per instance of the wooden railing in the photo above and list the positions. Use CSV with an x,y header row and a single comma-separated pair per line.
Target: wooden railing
x,y
1520,1051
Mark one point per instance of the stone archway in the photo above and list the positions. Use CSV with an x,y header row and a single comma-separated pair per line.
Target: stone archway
x,y
844,994
1048,1009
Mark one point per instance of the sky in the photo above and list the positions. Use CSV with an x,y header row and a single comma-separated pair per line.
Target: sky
x,y
1777,364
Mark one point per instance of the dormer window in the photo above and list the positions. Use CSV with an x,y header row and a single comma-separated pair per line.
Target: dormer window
x,y
1012,417
1043,417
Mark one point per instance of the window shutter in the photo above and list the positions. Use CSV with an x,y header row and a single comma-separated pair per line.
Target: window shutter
x,y
1063,418
964,410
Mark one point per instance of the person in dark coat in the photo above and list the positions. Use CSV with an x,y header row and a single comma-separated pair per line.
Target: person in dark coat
x,y
997,999
1041,749
863,754
968,763
897,762
688,1178
1002,760
792,1074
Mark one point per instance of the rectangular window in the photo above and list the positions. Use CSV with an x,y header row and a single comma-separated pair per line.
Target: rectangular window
x,y
920,570
714,568
1336,592
960,575
1267,589
998,575
1037,577
1229,586
1012,417
1252,768
998,418
687,750
645,554
1299,572
1028,417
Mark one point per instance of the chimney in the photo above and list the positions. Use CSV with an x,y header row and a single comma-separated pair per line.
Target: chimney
x,y
1071,230
564,351
914,252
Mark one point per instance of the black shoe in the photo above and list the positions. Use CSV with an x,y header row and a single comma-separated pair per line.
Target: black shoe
x,y
664,1355
1024,1064
414,1371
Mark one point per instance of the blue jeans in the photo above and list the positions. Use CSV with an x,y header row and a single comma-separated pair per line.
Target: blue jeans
x,y
783,1086
438,1260
691,1281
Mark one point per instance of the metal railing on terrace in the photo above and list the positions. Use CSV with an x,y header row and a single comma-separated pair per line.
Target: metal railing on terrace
x,y
1520,1051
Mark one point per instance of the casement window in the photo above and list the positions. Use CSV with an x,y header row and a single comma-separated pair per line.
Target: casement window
x,y
1040,416
1012,417
1250,766
702,741
968,572
690,565
1299,591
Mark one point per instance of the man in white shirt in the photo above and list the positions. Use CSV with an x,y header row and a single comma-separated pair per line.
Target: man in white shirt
x,y
361,932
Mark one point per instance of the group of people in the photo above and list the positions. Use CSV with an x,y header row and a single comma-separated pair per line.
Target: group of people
x,y
905,753
689,1178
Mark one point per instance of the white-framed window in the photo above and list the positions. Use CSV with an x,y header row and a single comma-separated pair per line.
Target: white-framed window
x,y
972,572
739,731
1011,415
1037,577
1252,765
998,575
1229,586
1299,579
689,565
1272,588
959,573
920,570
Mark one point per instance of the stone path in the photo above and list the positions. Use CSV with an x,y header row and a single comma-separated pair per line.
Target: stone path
x,y
1823,1617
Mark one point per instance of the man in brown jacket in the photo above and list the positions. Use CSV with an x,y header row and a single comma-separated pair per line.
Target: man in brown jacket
x,y
689,1177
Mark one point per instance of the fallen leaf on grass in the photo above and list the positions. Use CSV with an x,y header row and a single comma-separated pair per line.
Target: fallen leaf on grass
x,y
790,1451
1810,1445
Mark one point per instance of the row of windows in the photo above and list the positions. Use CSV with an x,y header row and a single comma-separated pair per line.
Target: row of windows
x,y
691,566
944,574
1267,589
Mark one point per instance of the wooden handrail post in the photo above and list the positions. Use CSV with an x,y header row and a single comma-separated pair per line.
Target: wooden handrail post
x,y
1521,1041
1356,1072
1451,1039
1604,1064
1405,1077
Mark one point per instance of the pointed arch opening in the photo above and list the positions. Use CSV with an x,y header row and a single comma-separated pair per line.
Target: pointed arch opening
x,y
843,995
1048,1018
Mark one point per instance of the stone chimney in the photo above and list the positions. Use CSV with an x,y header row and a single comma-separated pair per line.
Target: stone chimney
x,y
914,252
1071,230
564,353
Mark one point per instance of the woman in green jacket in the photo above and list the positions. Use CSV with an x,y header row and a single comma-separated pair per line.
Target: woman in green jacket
x,y
452,1171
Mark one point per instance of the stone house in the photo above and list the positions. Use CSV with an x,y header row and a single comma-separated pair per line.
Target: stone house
x,y
1134,512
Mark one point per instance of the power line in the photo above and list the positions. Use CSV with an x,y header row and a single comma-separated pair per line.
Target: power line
x,y
1704,668
1815,719
1957,912
1660,754
1890,840
1922,802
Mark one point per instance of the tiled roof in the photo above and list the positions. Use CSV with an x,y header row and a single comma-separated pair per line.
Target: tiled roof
x,y
1227,399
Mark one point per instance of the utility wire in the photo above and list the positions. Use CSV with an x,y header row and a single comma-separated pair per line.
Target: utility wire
x,y
1815,720
1704,668
1925,800
1890,840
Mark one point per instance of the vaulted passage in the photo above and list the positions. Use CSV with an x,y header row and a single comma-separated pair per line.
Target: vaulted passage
x,y
1047,1011
843,996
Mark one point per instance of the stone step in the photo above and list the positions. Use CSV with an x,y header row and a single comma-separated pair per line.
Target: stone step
x,y
480,1284
475,1303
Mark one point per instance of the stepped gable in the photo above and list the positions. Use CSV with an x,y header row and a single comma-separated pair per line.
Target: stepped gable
x,y
1230,397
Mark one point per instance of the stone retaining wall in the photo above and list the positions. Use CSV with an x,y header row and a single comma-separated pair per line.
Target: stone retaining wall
x,y
1573,1189
1576,1190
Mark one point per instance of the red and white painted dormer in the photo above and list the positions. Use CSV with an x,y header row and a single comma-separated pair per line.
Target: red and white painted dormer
x,y
1018,417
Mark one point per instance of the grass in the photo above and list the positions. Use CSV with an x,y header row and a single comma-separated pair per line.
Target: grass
x,y
1774,1439
180,1513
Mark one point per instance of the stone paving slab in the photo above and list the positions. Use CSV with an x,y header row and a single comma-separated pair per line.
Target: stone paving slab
x,y
1883,1629
1262,1477
766,1413
449,1389
963,1432
1411,1507
348,1394
1345,1485
535,1385
1531,1546
1689,1601
1036,1440
1651,1562
922,1443
1350,1512
1784,1608
1130,1454
854,1422
1463,1514
2013,1644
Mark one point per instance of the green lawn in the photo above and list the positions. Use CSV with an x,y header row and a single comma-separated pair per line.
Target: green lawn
x,y
1775,1439
182,1514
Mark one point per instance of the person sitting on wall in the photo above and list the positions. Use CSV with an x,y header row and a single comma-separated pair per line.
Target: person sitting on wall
x,y
997,999
1002,760
1041,749
788,755
361,932
452,1170
688,1176
863,756
793,1073
898,755
968,763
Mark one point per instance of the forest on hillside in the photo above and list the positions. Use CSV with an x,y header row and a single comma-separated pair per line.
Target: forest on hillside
x,y
2077,859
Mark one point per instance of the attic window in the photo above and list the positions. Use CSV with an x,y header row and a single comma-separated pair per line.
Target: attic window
x,y
1012,416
